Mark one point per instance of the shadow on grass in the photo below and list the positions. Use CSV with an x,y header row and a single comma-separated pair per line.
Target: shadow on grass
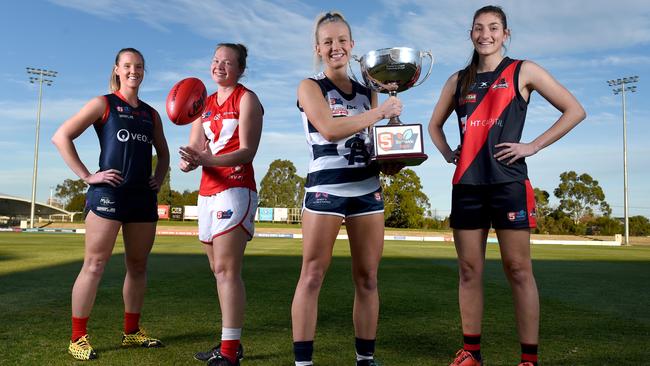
x,y
592,312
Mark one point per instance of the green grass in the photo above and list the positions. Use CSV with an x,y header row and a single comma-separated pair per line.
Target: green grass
x,y
594,304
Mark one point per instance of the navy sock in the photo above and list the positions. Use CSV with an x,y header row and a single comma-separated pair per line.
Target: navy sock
x,y
365,347
303,350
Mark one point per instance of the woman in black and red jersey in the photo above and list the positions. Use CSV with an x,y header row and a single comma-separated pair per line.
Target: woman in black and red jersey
x,y
490,184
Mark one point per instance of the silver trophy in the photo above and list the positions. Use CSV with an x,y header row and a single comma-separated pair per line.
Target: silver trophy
x,y
390,71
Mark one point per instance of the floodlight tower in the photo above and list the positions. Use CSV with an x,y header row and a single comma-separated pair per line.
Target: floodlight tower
x,y
620,86
41,77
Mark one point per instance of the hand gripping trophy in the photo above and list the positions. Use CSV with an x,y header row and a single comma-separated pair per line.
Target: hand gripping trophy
x,y
393,70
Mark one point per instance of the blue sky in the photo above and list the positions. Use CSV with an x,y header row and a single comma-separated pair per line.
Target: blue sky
x,y
582,43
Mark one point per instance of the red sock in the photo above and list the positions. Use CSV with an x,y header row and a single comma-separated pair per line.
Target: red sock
x,y
78,328
229,349
131,322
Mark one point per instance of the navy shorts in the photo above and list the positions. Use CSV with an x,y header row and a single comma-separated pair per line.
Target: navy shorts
x,y
329,204
500,206
124,205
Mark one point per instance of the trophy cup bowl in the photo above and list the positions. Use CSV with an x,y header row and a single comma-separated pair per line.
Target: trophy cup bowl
x,y
390,71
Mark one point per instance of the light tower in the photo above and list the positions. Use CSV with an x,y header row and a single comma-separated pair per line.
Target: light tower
x,y
620,86
41,77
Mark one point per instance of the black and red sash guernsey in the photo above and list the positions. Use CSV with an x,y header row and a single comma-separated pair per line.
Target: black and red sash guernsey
x,y
492,112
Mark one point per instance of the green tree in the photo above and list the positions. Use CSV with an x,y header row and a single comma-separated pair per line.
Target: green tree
x,y
579,195
543,209
281,186
405,203
165,192
72,193
639,226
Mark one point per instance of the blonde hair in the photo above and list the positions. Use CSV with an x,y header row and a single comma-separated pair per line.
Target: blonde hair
x,y
323,18
114,81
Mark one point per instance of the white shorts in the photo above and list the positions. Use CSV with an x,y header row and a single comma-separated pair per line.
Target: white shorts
x,y
223,212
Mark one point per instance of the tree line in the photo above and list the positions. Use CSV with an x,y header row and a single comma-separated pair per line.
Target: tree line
x,y
582,208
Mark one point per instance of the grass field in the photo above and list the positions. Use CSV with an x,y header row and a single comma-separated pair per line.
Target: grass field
x,y
595,304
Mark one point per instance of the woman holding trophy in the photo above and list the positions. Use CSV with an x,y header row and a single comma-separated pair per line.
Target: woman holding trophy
x,y
341,184
490,184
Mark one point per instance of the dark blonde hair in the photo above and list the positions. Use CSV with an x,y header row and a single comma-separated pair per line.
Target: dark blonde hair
x,y
324,18
114,82
242,53
468,75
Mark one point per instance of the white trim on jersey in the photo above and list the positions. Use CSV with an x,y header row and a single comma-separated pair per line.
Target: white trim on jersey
x,y
227,131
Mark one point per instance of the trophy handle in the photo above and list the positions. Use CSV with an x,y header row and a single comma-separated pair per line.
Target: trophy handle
x,y
426,53
357,59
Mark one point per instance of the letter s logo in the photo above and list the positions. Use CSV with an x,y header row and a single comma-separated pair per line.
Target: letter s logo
x,y
385,140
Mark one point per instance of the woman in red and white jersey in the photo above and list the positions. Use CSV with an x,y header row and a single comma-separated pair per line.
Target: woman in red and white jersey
x,y
224,141
490,185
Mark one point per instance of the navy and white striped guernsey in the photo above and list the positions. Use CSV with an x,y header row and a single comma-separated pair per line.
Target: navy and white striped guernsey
x,y
340,167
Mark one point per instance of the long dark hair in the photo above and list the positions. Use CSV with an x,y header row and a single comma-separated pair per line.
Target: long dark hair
x,y
468,75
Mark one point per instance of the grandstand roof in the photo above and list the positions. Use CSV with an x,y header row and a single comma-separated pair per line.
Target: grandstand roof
x,y
21,207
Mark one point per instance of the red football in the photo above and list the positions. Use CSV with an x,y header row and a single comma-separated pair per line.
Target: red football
x,y
186,100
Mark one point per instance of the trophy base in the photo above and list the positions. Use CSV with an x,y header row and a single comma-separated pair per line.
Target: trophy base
x,y
406,159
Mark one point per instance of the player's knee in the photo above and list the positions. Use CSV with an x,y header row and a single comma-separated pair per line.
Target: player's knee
x,y
137,268
312,278
94,266
469,272
225,274
518,273
366,281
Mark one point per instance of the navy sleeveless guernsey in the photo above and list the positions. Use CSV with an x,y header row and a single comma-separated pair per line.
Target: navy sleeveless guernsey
x,y
125,138
492,112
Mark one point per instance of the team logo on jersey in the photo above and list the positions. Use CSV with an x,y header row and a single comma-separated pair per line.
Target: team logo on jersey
x,y
123,109
469,98
237,173
124,135
349,106
222,215
206,114
483,85
501,84
322,198
339,112
517,216
335,101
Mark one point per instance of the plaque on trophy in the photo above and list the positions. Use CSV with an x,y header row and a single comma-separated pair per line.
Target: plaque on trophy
x,y
390,71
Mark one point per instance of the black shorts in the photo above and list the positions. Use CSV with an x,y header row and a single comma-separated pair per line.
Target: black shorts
x,y
500,206
123,205
329,204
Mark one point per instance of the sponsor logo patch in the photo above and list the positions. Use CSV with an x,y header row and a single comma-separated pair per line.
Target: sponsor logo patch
x,y
224,214
517,216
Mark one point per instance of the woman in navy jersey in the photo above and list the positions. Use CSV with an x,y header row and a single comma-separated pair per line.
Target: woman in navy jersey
x,y
341,184
490,184
122,194
224,141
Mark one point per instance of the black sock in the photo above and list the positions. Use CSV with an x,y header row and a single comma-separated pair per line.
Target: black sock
x,y
364,347
303,350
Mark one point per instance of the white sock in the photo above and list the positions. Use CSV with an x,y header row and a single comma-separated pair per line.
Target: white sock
x,y
230,334
304,363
